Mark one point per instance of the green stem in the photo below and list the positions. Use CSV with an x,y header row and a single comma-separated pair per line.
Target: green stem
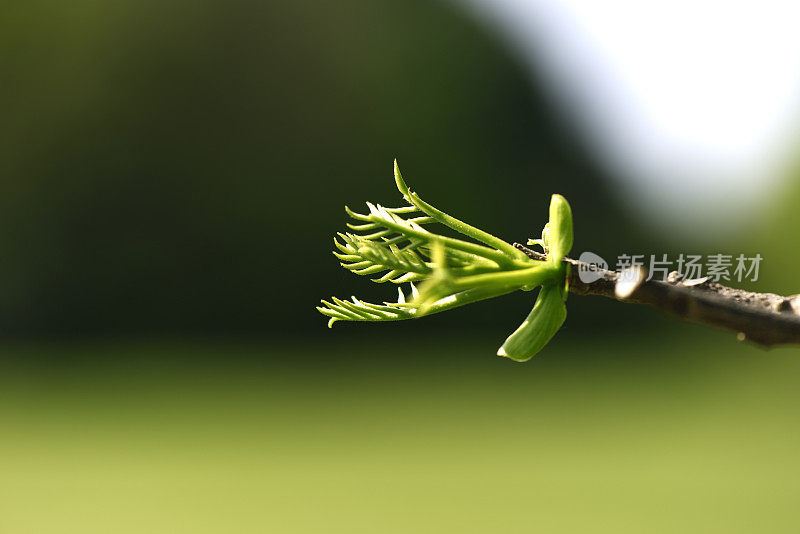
x,y
530,277
467,297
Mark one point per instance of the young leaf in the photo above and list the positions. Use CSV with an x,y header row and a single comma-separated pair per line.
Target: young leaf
x,y
402,245
544,320
559,229
457,225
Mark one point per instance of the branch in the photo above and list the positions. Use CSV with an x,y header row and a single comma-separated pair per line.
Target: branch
x,y
764,319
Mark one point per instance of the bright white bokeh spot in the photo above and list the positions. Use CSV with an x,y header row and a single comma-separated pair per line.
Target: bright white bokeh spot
x,y
693,105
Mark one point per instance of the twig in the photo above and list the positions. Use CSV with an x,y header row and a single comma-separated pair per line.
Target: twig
x,y
764,319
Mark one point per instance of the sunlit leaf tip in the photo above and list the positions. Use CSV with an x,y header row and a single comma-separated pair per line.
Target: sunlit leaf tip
x,y
398,179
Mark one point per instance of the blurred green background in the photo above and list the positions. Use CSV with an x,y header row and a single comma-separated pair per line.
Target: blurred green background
x,y
172,176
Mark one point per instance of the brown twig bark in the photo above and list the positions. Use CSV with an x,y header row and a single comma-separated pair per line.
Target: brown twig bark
x,y
764,319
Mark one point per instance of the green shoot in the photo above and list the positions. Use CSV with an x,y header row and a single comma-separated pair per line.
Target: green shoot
x,y
397,245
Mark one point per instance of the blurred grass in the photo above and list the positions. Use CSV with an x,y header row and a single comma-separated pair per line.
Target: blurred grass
x,y
651,434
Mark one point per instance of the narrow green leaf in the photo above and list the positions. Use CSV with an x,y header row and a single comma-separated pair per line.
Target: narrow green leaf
x,y
451,222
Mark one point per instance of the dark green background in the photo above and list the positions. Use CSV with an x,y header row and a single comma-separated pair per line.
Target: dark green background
x,y
180,168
